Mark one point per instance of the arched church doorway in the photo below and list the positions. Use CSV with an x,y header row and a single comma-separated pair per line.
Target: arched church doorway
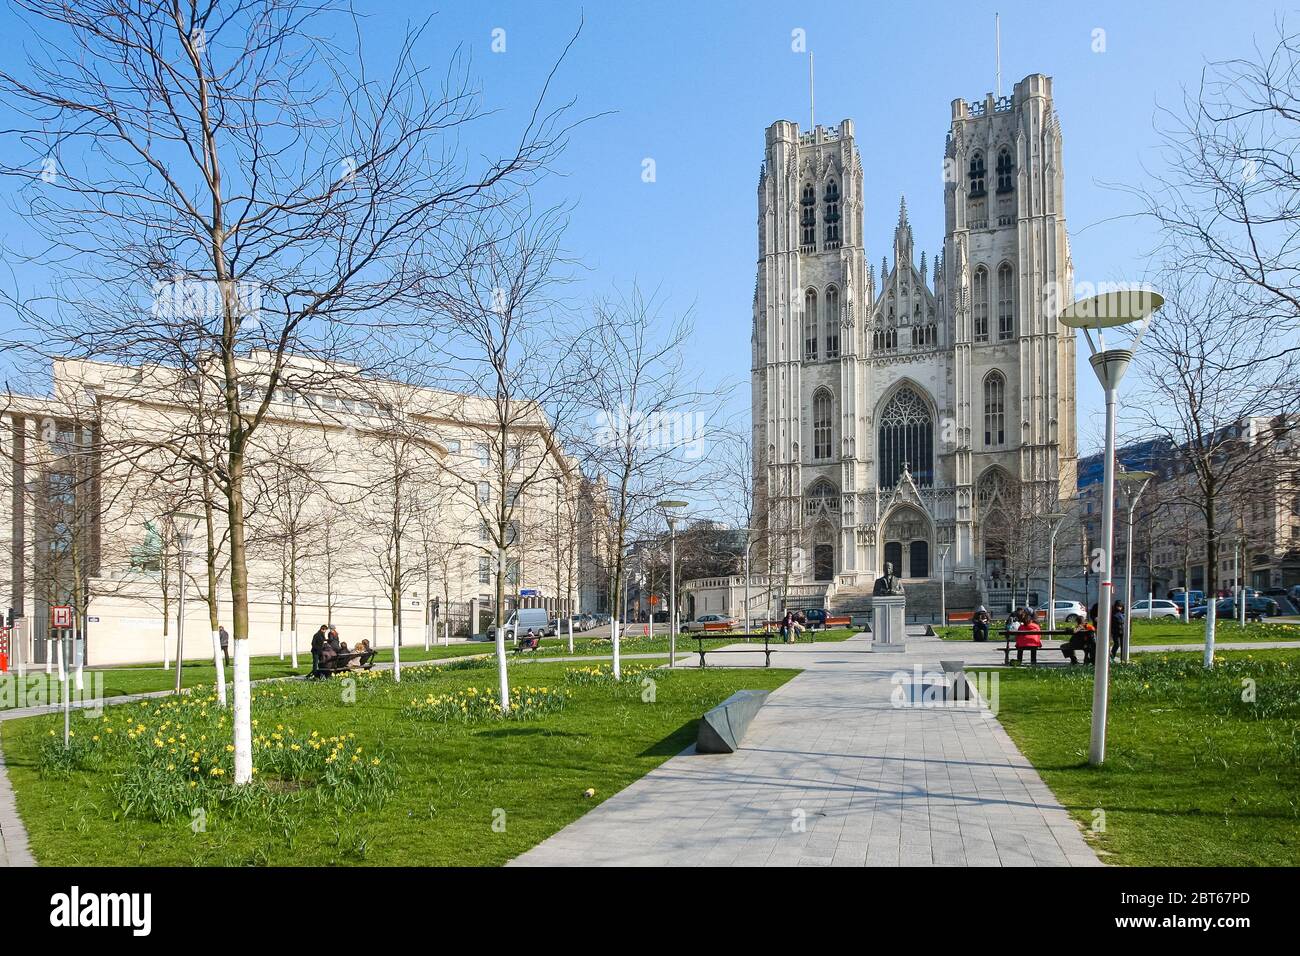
x,y
823,562
907,542
894,556
918,563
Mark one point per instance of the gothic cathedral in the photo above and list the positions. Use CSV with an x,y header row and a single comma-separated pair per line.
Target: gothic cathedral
x,y
904,414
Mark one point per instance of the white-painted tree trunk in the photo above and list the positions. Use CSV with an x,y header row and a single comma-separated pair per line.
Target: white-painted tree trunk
x,y
502,676
49,657
219,664
613,633
1210,608
282,645
570,633
243,715
63,674
293,648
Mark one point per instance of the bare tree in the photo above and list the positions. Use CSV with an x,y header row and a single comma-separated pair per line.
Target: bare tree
x,y
1203,385
652,417
1225,199
227,145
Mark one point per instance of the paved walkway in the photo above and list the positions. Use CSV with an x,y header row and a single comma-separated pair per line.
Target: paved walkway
x,y
831,773
13,835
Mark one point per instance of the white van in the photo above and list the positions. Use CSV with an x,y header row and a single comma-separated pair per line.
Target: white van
x,y
524,620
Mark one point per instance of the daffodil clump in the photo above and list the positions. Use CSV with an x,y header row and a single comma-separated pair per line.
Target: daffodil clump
x,y
473,705
176,755
604,674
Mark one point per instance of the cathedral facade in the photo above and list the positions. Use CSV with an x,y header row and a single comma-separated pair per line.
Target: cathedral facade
x,y
925,408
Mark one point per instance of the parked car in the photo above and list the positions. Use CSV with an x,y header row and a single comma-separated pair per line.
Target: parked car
x,y
703,619
816,618
1071,612
1156,608
522,621
1226,608
1197,598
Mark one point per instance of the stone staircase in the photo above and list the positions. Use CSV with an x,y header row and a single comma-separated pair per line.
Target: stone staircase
x,y
923,600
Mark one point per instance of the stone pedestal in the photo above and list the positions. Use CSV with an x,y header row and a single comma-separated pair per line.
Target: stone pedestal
x,y
887,634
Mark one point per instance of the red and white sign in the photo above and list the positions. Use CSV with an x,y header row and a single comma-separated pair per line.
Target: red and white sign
x,y
60,615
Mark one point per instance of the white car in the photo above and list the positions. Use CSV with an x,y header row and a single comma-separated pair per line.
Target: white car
x,y
699,623
1156,608
1069,612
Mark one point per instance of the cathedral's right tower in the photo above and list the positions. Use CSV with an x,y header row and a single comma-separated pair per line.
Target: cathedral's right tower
x,y
1006,274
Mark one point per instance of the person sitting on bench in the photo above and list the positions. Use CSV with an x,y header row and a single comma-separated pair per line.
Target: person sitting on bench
x,y
980,623
529,642
1084,639
1027,637
361,650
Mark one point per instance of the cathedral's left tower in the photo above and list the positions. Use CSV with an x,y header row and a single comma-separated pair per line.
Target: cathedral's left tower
x,y
809,305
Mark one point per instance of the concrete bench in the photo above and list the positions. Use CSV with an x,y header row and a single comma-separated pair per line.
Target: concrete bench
x,y
723,727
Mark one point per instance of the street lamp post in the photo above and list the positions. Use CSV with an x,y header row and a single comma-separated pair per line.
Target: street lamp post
x,y
1054,520
943,585
184,527
1131,480
669,504
1100,312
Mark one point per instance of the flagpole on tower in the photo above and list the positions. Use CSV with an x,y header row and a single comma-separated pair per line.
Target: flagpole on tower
x,y
997,42
812,99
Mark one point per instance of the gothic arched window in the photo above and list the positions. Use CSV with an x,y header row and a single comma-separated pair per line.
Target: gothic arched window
x,y
808,217
832,322
1006,302
995,404
1005,170
906,437
810,326
980,304
977,174
822,423
832,215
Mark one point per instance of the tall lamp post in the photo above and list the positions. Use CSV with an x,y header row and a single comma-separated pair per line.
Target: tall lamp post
x,y
670,505
1108,310
1054,520
184,528
943,584
1134,482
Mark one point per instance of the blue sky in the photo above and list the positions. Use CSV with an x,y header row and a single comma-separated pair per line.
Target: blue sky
x,y
693,85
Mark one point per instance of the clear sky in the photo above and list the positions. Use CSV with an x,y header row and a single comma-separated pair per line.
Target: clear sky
x,y
693,85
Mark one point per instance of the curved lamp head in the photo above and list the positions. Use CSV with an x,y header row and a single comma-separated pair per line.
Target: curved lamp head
x,y
1107,311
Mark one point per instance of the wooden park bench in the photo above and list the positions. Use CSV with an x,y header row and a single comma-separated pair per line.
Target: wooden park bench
x,y
527,643
340,663
1008,643
700,637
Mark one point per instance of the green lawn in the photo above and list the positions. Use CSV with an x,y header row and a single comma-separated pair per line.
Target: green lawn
x,y
432,797
144,678
1194,775
1169,631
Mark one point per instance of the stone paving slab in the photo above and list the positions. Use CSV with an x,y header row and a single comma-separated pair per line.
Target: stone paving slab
x,y
832,774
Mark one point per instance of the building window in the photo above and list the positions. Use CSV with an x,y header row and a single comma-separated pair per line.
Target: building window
x,y
980,311
822,423
906,439
832,215
484,531
485,570
484,492
1006,303
832,323
977,175
1005,170
453,446
808,218
810,326
484,456
512,573
995,400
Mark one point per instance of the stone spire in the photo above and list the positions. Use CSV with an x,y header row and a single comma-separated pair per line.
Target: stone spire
x,y
903,235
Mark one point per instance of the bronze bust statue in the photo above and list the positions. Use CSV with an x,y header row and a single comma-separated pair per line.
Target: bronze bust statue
x,y
889,583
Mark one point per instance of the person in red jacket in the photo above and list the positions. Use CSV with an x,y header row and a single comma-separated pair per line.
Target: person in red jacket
x,y
1028,637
